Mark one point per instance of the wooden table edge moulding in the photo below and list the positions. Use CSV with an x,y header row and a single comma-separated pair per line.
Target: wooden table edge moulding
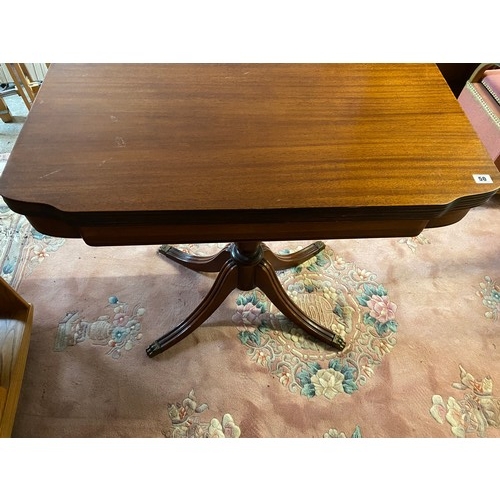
x,y
245,153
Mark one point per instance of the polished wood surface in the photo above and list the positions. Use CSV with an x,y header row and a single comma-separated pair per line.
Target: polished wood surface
x,y
244,153
16,319
192,153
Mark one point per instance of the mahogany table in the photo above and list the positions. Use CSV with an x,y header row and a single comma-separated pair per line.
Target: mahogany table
x,y
245,153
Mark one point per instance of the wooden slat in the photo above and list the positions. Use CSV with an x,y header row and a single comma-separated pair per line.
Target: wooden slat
x,y
11,332
37,71
16,318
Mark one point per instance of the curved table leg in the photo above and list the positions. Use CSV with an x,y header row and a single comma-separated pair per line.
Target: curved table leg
x,y
270,285
211,264
244,265
224,284
281,262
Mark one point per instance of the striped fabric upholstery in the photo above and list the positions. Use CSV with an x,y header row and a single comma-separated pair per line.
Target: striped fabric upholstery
x,y
480,100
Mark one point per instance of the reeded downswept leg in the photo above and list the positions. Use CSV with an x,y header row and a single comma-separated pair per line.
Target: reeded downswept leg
x,y
210,264
224,284
244,265
281,262
271,286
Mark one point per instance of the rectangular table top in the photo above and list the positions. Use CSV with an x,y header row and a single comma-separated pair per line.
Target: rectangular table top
x,y
154,153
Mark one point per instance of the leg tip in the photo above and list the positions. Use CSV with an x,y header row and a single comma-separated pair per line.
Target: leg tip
x,y
153,350
164,249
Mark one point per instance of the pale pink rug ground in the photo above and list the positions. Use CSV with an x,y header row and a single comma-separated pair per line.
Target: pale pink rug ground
x,y
421,317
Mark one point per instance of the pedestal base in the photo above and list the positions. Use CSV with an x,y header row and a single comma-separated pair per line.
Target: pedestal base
x,y
245,266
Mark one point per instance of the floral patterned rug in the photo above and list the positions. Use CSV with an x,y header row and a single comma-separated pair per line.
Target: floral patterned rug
x,y
22,247
420,316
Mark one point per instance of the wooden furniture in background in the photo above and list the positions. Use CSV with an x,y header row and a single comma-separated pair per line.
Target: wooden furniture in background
x,y
4,111
16,318
37,71
456,75
245,153
25,85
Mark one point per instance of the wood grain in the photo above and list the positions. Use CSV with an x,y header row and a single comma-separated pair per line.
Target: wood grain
x,y
264,147
11,333
16,318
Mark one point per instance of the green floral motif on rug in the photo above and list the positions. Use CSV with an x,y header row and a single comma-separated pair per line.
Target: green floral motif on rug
x,y
22,247
334,433
340,296
489,291
472,415
118,331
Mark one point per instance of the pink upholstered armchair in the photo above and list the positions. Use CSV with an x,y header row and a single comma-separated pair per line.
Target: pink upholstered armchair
x,y
480,99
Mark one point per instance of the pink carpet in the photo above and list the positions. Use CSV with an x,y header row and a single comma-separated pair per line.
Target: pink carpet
x,y
421,317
